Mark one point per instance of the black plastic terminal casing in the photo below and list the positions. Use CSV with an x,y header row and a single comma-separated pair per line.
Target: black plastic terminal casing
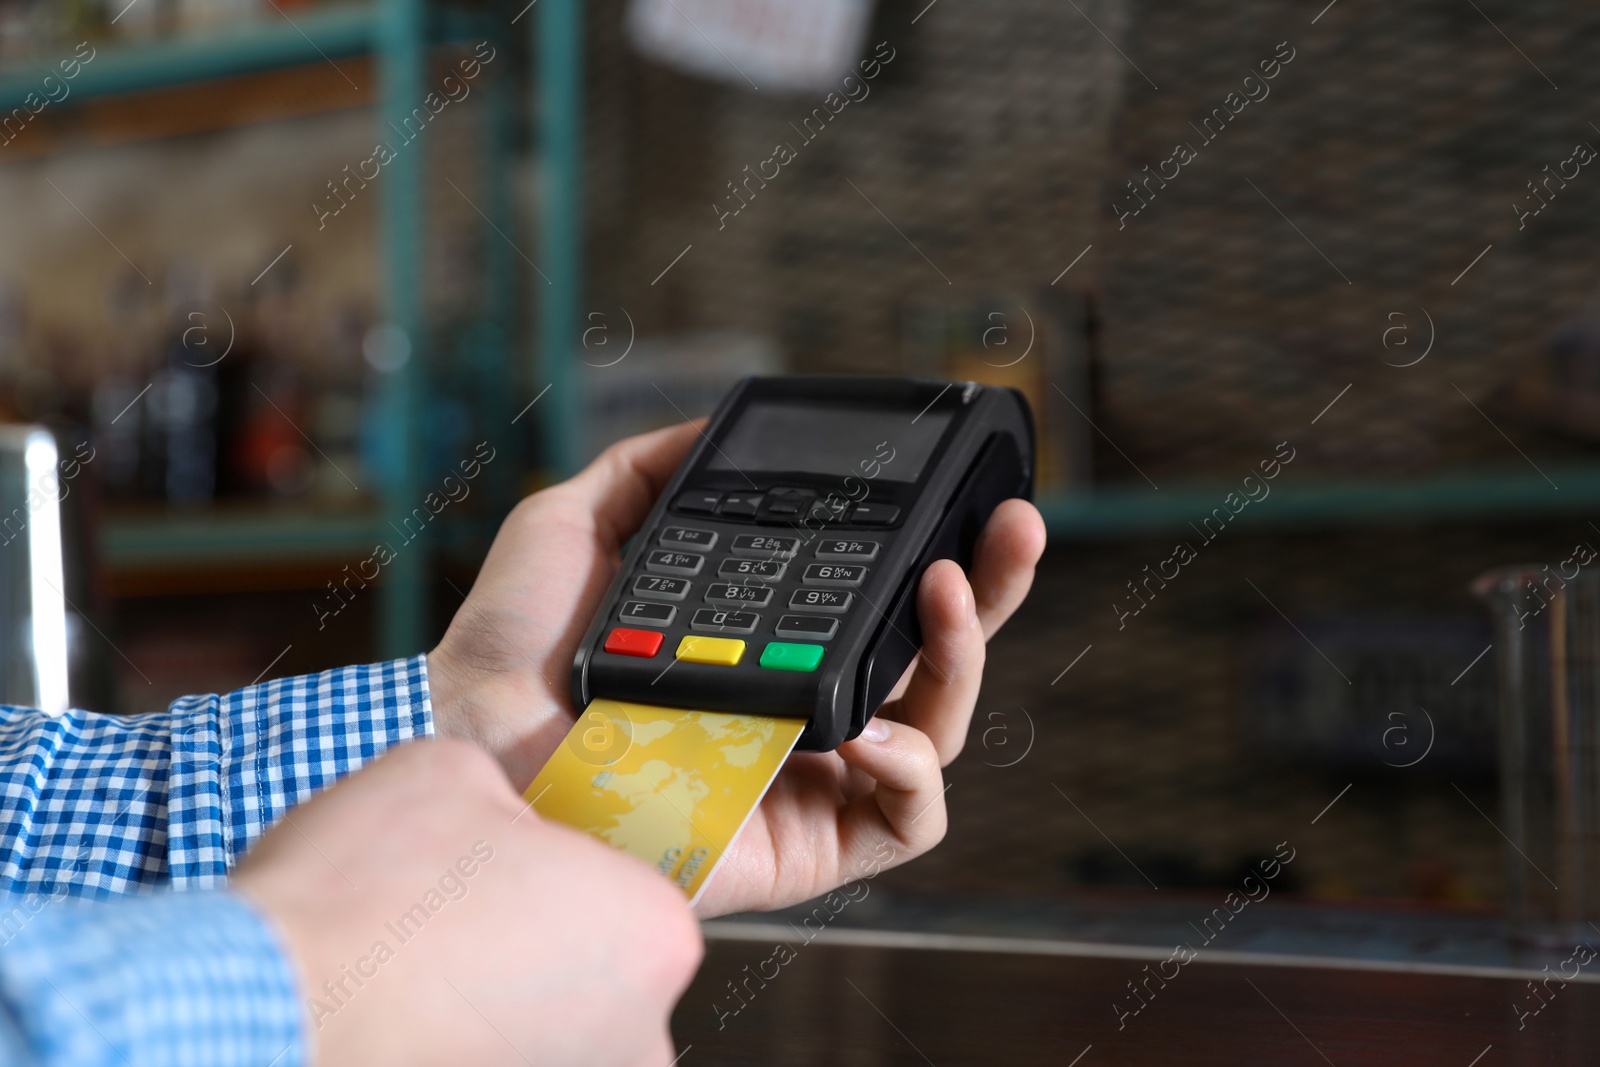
x,y
985,456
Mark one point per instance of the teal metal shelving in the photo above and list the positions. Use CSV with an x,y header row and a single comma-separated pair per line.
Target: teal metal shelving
x,y
178,539
402,50
334,33
274,43
1103,514
1489,496
396,33
558,44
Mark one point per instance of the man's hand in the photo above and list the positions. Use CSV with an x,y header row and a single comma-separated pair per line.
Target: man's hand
x,y
501,677
419,888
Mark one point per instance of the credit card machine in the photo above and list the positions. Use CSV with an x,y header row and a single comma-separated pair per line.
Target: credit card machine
x,y
777,574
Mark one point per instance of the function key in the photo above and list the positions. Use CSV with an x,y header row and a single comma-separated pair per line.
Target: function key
x,y
781,656
807,627
728,622
740,505
787,503
874,514
834,574
835,601
641,614
717,651
659,587
751,568
737,594
687,537
828,510
642,643
667,561
843,548
764,546
697,502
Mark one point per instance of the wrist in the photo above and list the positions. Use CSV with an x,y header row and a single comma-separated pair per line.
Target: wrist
x,y
450,718
498,711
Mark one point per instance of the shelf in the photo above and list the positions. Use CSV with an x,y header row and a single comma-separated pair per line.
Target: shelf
x,y
267,537
243,538
162,554
1109,514
1375,936
329,34
273,43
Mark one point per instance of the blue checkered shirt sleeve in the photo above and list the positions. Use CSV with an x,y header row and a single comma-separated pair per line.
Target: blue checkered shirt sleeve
x,y
162,978
96,805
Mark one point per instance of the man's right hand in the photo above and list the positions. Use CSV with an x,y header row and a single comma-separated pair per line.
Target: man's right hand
x,y
434,918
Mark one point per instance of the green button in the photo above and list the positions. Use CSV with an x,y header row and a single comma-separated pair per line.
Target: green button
x,y
782,656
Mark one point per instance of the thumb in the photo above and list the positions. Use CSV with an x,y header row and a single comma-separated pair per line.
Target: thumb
x,y
621,485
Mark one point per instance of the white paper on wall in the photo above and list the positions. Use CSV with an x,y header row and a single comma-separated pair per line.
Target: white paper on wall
x,y
770,45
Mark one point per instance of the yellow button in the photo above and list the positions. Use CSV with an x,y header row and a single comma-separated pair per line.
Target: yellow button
x,y
721,651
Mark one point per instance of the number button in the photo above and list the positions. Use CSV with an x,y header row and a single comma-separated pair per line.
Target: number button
x,y
642,614
807,627
731,622
834,574
846,549
667,561
733,595
834,601
687,537
751,568
761,546
659,587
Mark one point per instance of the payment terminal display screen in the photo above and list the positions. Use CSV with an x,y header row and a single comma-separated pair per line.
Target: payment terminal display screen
x,y
811,439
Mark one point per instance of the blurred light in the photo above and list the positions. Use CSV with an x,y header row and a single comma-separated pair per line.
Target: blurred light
x,y
45,574
387,348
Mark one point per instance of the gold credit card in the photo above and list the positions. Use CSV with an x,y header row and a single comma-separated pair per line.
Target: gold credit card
x,y
671,786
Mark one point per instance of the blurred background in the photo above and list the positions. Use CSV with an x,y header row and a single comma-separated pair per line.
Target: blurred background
x,y
284,267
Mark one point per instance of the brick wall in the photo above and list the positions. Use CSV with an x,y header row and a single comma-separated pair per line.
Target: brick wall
x,y
1384,159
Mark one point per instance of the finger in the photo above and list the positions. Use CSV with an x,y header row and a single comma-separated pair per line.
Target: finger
x,y
607,500
661,1053
943,688
622,484
1002,569
556,553
1002,565
906,811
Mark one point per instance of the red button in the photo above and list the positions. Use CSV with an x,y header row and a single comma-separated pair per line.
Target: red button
x,y
624,642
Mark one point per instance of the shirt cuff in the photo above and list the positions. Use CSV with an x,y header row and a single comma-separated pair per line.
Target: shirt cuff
x,y
196,978
241,760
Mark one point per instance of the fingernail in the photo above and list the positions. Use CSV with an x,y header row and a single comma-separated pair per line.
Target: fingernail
x,y
875,730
